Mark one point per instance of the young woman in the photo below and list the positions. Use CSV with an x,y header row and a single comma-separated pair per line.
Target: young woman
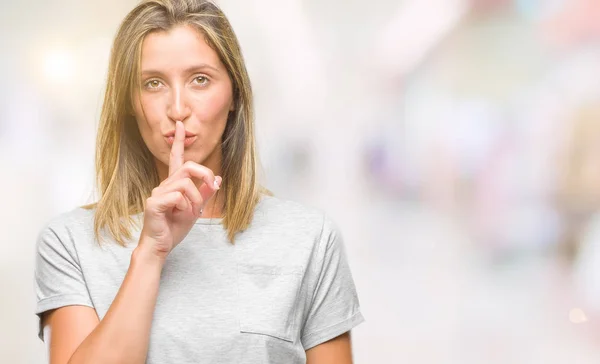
x,y
185,258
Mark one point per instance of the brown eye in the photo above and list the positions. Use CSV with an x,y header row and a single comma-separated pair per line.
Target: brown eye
x,y
152,84
201,80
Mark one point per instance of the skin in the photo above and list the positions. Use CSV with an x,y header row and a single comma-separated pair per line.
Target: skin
x,y
185,88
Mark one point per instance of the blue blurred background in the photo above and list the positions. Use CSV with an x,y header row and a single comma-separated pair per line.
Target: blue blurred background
x,y
455,142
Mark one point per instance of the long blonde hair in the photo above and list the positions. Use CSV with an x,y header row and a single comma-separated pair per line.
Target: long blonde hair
x,y
125,169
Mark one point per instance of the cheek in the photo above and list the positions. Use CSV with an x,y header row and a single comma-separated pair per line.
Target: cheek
x,y
146,118
215,107
146,112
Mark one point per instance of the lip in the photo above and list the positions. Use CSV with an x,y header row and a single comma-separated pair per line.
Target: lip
x,y
187,142
172,134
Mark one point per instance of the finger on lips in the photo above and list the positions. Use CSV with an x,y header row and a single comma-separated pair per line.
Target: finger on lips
x,y
181,173
177,149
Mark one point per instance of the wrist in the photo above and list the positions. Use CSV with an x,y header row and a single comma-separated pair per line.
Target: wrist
x,y
143,255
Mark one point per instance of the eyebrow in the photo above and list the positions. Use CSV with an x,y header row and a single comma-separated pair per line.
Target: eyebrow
x,y
191,69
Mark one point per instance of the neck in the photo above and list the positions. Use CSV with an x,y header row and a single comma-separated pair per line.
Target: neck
x,y
214,206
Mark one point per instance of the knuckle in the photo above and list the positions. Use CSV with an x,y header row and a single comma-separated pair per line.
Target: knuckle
x,y
150,201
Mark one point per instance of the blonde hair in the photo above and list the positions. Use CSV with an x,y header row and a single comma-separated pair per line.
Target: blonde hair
x,y
125,169
578,180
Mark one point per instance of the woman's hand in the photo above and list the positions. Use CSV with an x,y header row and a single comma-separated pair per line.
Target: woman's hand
x,y
178,201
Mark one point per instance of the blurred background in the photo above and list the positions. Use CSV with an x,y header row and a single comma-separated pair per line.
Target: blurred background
x,y
455,142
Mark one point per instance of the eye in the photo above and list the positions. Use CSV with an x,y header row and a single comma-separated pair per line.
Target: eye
x,y
152,84
201,80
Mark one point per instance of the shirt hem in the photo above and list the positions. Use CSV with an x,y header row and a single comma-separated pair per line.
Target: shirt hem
x,y
55,302
313,339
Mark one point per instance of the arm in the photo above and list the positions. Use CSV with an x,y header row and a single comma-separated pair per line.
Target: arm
x,y
75,335
335,351
335,308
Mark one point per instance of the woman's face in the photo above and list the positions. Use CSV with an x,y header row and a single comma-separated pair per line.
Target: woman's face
x,y
182,79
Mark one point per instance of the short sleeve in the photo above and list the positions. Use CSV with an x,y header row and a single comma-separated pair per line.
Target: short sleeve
x,y
334,307
58,278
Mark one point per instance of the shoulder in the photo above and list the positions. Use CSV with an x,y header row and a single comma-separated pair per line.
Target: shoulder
x,y
75,218
292,217
64,227
285,233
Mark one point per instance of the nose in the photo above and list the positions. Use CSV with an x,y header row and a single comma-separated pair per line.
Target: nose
x,y
178,107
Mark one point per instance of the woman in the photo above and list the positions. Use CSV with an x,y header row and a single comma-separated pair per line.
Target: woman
x,y
185,258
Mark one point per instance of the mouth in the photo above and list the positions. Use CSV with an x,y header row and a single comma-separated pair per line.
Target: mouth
x,y
187,142
172,134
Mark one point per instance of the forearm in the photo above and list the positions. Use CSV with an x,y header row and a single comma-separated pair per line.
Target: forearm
x,y
122,335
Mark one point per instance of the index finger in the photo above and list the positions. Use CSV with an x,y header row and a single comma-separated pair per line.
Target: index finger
x,y
176,158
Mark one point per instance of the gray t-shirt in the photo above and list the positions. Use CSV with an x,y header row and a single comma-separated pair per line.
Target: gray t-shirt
x,y
282,288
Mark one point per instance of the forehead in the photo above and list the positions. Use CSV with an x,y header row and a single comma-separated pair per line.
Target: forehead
x,y
178,48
